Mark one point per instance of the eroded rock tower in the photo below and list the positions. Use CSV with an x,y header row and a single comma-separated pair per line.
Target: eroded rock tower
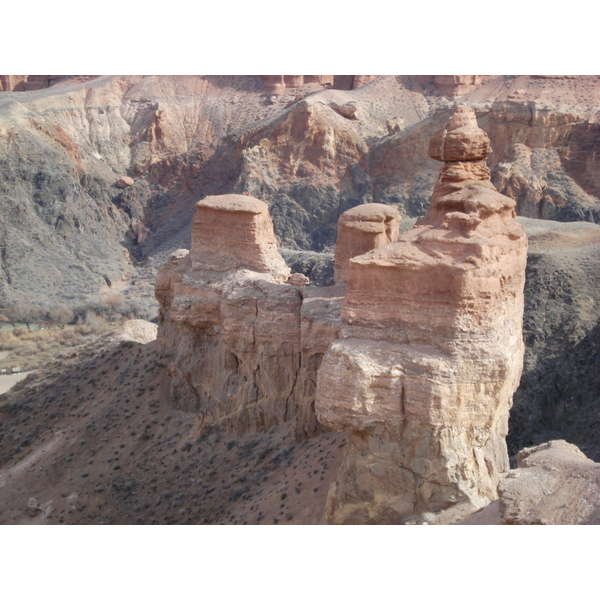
x,y
430,351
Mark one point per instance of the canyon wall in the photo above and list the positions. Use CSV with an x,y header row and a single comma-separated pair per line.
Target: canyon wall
x,y
311,152
421,366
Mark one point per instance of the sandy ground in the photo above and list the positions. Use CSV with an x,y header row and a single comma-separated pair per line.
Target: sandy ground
x,y
8,381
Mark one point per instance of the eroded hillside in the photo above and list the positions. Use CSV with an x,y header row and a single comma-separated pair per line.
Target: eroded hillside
x,y
311,147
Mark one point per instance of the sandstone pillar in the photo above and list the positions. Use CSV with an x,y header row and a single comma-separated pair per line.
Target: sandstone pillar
x,y
430,351
360,229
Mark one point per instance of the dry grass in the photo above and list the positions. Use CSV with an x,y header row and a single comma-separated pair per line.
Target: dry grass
x,y
30,350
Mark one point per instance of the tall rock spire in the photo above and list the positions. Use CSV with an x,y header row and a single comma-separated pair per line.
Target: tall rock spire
x,y
430,351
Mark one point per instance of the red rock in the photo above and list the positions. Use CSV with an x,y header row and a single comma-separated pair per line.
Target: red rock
x,y
363,228
431,332
232,232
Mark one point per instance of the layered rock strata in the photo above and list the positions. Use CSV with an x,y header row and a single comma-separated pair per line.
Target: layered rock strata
x,y
232,232
363,228
430,351
242,345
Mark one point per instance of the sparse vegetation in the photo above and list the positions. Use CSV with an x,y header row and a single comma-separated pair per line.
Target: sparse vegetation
x,y
30,349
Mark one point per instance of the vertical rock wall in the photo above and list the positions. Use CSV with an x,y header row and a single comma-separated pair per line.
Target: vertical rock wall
x,y
430,351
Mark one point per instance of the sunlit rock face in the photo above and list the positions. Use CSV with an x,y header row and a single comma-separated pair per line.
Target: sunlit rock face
x,y
363,228
430,351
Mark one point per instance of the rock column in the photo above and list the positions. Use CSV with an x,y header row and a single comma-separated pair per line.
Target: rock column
x,y
360,229
430,351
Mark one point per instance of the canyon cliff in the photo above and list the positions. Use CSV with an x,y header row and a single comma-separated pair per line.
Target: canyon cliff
x,y
70,230
104,179
421,366
430,351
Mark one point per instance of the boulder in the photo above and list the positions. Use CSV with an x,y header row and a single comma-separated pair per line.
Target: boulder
x,y
125,182
554,484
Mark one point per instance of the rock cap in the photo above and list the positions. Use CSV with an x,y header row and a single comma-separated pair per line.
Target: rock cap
x,y
462,139
234,203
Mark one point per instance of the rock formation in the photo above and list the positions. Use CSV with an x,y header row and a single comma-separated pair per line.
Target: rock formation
x,y
243,345
279,83
430,351
363,228
232,232
453,85
28,83
360,80
554,484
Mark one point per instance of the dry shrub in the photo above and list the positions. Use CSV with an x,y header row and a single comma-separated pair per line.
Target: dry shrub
x,y
32,349
8,340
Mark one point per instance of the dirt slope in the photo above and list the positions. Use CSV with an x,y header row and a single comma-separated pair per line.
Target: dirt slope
x,y
88,441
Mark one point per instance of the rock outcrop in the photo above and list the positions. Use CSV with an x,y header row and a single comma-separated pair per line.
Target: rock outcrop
x,y
430,351
243,345
554,484
233,232
279,83
363,228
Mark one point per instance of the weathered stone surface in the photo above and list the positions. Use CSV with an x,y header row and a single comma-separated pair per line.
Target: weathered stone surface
x,y
360,80
453,85
431,333
462,139
233,231
279,83
363,228
243,346
124,182
554,484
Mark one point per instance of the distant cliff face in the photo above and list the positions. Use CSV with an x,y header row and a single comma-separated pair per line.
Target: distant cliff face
x,y
318,147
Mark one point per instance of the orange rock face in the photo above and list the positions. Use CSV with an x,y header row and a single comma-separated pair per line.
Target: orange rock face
x,y
234,231
431,335
363,228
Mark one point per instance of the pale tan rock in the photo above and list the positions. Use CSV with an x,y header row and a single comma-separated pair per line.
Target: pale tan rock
x,y
125,182
363,228
349,110
138,330
554,484
241,346
431,335
232,232
454,85
298,279
293,81
140,231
